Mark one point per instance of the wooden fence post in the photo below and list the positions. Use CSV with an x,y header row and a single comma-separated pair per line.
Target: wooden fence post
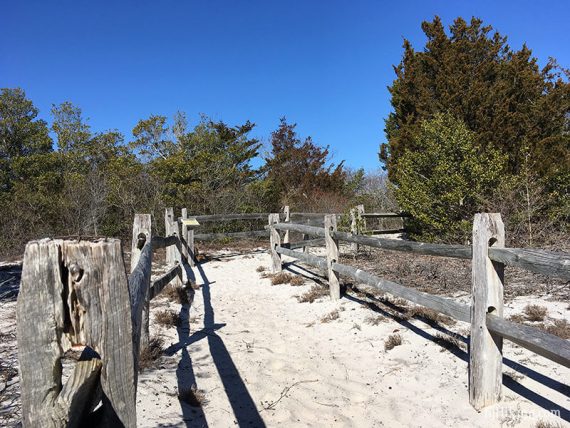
x,y
361,219
188,237
287,220
274,242
173,252
332,256
353,228
142,233
75,293
485,350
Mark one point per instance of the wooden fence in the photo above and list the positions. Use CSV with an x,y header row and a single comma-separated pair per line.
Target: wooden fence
x,y
485,314
76,299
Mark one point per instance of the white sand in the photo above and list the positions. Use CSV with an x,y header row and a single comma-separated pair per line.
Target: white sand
x,y
261,357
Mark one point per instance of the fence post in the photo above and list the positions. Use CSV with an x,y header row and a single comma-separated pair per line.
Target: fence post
x,y
142,233
361,219
75,293
287,220
274,242
332,256
173,254
353,228
485,350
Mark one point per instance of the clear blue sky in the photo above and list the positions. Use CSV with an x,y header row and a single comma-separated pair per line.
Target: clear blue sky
x,y
323,64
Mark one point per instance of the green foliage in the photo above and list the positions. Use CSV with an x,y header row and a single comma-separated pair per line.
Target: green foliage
x,y
501,95
442,182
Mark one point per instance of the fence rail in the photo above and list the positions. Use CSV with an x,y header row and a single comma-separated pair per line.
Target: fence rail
x,y
485,314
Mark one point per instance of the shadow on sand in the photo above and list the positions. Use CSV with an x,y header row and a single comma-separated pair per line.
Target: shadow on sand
x,y
508,381
244,409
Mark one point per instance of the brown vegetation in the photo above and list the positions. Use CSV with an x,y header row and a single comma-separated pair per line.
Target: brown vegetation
x,y
334,315
535,312
192,396
176,294
316,292
392,341
167,318
151,353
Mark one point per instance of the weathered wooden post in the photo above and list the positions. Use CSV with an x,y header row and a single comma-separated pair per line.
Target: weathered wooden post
x,y
332,256
173,252
361,219
142,234
74,294
287,220
354,227
485,350
188,236
274,242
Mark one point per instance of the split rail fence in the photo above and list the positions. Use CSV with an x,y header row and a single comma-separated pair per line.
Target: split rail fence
x,y
489,257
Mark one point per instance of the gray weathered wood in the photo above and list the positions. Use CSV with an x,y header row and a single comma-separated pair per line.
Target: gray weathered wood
x,y
139,281
361,219
188,241
274,242
441,250
549,346
384,231
286,220
231,235
163,242
79,395
227,217
310,215
332,256
486,348
310,259
384,215
184,233
74,293
308,230
173,253
550,263
354,228
158,284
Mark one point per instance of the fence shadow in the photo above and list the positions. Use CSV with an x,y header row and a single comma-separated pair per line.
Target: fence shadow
x,y
245,410
508,381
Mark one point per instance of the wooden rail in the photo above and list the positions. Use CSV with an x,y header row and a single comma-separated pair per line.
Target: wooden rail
x,y
488,327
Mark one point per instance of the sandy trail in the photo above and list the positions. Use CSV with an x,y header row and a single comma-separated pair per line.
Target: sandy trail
x,y
262,358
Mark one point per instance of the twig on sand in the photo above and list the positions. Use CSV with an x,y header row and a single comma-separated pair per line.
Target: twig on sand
x,y
271,405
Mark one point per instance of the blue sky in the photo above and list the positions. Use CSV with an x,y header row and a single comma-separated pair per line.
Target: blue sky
x,y
323,64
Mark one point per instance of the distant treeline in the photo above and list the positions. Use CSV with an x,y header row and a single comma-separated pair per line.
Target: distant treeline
x,y
86,183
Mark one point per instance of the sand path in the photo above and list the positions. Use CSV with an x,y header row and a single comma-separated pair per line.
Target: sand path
x,y
262,358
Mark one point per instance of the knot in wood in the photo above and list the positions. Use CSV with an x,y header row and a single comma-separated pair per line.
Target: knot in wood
x,y
141,240
76,272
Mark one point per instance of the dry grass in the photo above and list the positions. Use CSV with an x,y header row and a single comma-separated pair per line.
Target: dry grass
x,y
449,342
547,424
535,312
167,318
560,328
375,320
520,318
297,281
260,269
192,396
392,341
316,292
281,278
151,353
176,294
334,315
430,316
